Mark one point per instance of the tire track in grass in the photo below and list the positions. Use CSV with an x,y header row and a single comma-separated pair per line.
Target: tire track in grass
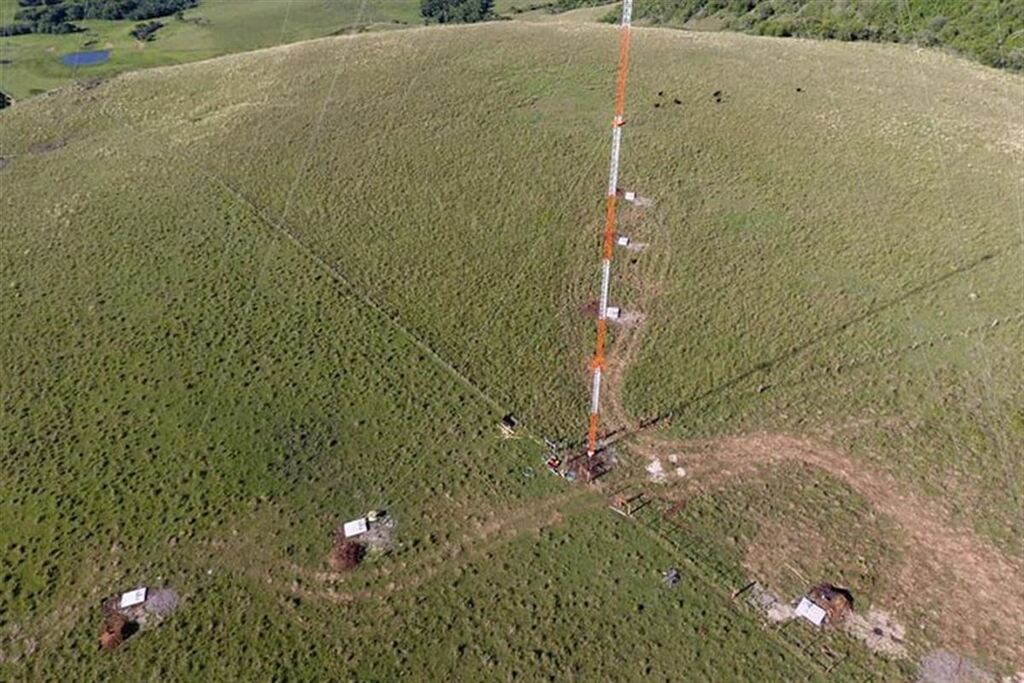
x,y
500,528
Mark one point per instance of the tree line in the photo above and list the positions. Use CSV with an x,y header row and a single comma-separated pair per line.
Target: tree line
x,y
456,11
991,31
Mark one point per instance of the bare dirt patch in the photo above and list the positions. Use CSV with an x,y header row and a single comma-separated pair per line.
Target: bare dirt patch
x,y
656,471
943,666
661,470
160,604
379,536
630,319
590,309
769,604
879,631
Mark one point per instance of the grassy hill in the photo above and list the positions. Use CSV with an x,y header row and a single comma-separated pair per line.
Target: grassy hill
x,y
249,298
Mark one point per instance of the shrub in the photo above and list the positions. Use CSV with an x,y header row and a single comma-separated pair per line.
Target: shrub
x,y
15,29
116,629
146,32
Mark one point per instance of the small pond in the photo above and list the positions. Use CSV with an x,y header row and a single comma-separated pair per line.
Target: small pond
x,y
86,58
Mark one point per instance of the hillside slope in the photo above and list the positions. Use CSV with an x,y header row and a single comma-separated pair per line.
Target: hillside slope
x,y
252,297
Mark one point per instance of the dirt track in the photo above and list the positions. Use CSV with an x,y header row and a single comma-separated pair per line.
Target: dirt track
x,y
972,593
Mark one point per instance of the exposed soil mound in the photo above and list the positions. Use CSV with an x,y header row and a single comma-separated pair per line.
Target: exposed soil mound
x,y
837,602
346,554
116,629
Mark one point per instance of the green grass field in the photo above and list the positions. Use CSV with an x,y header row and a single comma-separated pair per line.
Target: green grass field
x,y
32,64
249,298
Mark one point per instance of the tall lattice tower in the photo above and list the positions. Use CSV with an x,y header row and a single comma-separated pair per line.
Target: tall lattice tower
x,y
597,365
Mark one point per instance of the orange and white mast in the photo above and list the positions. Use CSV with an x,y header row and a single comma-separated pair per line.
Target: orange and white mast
x,y
597,365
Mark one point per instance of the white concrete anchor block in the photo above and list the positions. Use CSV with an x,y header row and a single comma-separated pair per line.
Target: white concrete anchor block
x,y
355,527
132,598
811,612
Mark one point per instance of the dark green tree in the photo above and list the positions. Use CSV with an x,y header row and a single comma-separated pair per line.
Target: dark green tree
x,y
456,11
